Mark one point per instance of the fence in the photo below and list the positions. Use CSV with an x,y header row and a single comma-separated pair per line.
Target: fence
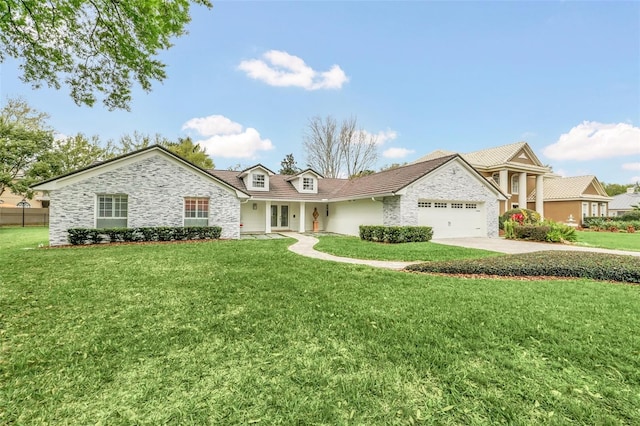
x,y
17,216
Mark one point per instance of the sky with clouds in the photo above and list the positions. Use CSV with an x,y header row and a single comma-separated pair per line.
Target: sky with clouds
x,y
420,76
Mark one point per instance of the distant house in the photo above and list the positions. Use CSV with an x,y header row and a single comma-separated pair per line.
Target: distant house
x,y
528,183
155,187
624,203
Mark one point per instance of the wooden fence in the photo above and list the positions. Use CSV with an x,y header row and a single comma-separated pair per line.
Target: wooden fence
x,y
16,216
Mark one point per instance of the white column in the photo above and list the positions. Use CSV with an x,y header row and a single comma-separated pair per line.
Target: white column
x,y
504,186
302,217
267,214
522,190
540,195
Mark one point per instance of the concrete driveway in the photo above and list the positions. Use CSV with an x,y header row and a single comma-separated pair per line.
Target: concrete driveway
x,y
502,245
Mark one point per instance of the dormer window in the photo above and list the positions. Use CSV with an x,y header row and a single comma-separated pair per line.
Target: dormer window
x,y
307,184
258,180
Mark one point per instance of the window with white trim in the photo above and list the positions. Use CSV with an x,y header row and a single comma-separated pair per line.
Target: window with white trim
x,y
440,205
258,180
113,210
456,205
515,184
196,211
307,184
496,178
424,204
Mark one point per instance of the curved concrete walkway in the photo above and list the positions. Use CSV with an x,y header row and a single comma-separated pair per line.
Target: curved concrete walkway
x,y
304,247
305,243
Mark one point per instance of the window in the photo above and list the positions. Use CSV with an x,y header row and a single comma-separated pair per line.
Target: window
x,y
456,205
112,211
426,204
515,206
258,180
471,206
496,178
307,184
585,210
515,184
440,205
603,209
196,211
594,209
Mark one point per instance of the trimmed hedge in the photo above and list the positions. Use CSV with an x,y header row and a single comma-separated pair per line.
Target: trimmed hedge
x,y
79,236
531,232
566,264
395,234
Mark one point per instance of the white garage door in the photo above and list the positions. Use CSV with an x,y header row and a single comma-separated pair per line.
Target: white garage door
x,y
451,219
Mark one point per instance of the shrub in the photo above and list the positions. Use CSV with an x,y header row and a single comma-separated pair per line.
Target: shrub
x,y
395,234
576,264
509,226
532,232
630,216
529,217
78,236
560,233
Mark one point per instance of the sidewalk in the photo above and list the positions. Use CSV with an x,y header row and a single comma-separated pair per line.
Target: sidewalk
x,y
304,247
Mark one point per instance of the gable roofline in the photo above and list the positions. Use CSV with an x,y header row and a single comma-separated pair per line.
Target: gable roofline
x,y
130,155
581,182
308,170
246,171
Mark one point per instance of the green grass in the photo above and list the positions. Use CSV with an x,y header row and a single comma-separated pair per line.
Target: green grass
x,y
610,240
234,332
357,248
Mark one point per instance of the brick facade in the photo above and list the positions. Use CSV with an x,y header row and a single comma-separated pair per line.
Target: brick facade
x,y
156,188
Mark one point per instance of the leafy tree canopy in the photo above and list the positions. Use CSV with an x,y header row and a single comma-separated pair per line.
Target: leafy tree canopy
x,y
92,46
191,152
25,139
288,165
615,188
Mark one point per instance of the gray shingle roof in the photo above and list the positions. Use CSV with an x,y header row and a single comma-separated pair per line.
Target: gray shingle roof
x,y
624,201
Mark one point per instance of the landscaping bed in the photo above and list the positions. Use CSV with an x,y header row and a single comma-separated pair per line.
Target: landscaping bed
x,y
566,264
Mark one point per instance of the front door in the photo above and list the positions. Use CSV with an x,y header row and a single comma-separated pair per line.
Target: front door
x,y
279,216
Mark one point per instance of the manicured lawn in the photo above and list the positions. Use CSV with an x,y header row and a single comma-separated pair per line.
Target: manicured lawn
x,y
355,247
234,332
610,240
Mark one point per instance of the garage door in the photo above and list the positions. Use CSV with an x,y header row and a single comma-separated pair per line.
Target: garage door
x,y
451,219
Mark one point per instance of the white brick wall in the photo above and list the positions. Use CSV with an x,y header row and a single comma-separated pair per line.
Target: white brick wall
x,y
156,188
451,182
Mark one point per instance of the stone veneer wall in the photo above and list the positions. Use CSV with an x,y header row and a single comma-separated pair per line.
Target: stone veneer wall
x,y
391,211
156,188
452,182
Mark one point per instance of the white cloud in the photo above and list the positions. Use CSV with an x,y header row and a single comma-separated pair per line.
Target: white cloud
x,y
634,179
397,152
283,70
226,138
592,140
383,136
631,166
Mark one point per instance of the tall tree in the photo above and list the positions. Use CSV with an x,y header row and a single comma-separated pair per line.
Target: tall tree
x,y
288,165
92,46
25,138
133,142
69,154
359,149
336,151
194,153
322,144
615,188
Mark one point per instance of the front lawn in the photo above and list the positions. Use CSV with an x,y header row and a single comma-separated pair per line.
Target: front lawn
x,y
243,332
355,247
610,240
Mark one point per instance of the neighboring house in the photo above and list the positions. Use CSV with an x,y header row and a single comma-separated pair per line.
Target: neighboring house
x,y
154,187
576,197
9,199
518,172
624,203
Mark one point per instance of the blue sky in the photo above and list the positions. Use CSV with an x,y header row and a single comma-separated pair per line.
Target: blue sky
x,y
461,76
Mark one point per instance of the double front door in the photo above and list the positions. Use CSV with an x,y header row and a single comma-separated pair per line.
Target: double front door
x,y
279,216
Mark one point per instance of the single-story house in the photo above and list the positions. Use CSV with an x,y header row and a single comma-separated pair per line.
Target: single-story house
x,y
528,183
154,187
624,203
